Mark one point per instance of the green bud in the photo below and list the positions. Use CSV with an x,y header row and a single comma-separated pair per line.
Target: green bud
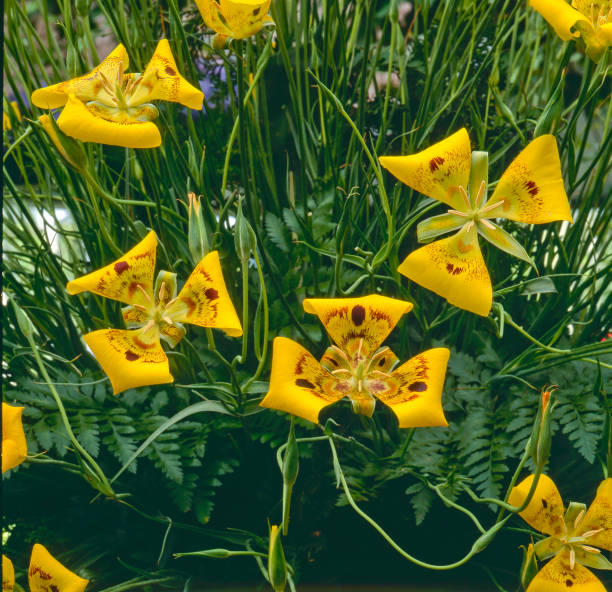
x,y
213,553
541,434
23,321
483,541
197,237
244,236
291,465
70,149
277,567
529,568
548,122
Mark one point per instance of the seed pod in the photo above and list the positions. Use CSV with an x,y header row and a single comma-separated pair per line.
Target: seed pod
x,y
529,568
197,237
277,567
291,465
244,236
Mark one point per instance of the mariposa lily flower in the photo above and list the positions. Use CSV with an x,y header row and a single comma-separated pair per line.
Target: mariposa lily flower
x,y
14,446
134,357
8,574
109,106
357,367
47,574
233,18
592,21
574,535
530,191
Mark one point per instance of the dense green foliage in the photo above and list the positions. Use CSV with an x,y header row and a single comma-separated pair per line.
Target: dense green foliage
x,y
294,139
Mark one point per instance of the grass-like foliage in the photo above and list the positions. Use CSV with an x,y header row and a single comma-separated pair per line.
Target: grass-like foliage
x,y
294,120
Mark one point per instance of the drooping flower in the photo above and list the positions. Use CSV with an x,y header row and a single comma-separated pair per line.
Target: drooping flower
x,y
109,106
574,536
10,109
235,18
8,574
47,574
134,357
14,446
357,367
530,191
592,21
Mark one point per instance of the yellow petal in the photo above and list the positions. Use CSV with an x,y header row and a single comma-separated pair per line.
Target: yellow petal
x,y
437,171
453,268
161,81
14,446
204,299
211,15
599,516
416,399
354,321
545,510
237,19
87,87
47,574
8,574
556,576
298,383
12,108
130,358
560,16
79,122
532,187
120,280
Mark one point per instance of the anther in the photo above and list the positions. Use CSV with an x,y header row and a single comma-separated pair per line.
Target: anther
x,y
590,549
590,533
487,224
172,301
168,320
140,307
492,206
578,518
464,194
148,326
469,225
162,292
341,353
481,192
360,385
146,294
341,371
572,558
458,213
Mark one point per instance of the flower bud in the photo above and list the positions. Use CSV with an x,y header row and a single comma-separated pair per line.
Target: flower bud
x,y
197,238
277,567
244,236
23,321
529,568
541,435
70,149
291,465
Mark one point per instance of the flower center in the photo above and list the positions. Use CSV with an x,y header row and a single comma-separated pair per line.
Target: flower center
x,y
156,311
599,13
474,212
361,376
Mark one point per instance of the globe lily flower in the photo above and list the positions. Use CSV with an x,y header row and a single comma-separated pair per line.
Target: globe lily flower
x,y
8,574
582,18
14,446
573,536
134,357
234,18
357,367
530,191
47,574
109,106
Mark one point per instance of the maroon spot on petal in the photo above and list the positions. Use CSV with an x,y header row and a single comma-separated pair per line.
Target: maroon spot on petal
x,y
569,583
417,387
304,383
435,163
531,187
382,361
211,294
53,588
545,503
358,314
121,266
130,356
450,267
256,11
170,71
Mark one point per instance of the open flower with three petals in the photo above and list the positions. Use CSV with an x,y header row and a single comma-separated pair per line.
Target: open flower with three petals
x,y
134,357
14,446
237,19
574,536
357,367
109,106
530,191
592,21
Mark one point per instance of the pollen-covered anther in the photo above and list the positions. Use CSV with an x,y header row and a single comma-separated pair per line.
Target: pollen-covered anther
x,y
492,206
591,533
464,195
341,371
341,353
481,192
144,292
578,518
168,320
487,224
140,307
572,558
162,292
590,549
458,213
150,324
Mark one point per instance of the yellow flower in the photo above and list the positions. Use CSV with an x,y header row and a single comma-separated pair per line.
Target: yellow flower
x,y
573,536
357,367
530,191
109,106
8,574
14,446
6,118
134,357
236,19
47,574
590,20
